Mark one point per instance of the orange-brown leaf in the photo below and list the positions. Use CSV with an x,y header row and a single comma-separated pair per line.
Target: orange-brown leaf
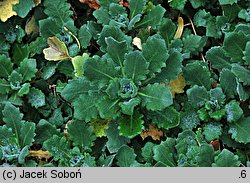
x,y
91,3
153,131
177,85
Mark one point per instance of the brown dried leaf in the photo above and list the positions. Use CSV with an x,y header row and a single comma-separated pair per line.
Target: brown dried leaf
x,y
215,144
153,132
91,3
177,85
37,2
40,154
31,26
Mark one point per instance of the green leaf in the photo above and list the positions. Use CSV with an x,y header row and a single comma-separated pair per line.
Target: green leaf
x,y
172,69
167,119
244,14
5,66
125,156
15,100
105,3
197,96
231,11
178,4
242,92
49,70
37,46
233,111
58,10
133,21
77,62
226,159
84,36
147,151
201,18
156,97
118,14
212,131
185,141
108,108
197,73
102,16
15,80
197,3
239,130
243,74
25,89
217,96
13,119
28,69
99,71
189,120
193,44
225,2
75,88
81,134
136,7
115,33
19,53
4,45
153,17
23,154
135,66
247,53
48,27
228,82
85,107
58,147
167,30
164,152
115,141
130,126
23,7
36,98
44,129
127,107
155,52
4,86
234,45
205,157
57,117
6,135
217,57
27,134
116,50
106,161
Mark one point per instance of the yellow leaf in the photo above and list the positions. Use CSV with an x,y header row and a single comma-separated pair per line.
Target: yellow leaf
x,y
40,154
153,132
31,26
6,9
56,51
137,42
177,85
100,125
180,28
37,2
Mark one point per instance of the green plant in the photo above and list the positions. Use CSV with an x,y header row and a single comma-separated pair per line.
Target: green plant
x,y
133,84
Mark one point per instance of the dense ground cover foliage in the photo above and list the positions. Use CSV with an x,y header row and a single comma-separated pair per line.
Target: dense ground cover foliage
x,y
132,83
